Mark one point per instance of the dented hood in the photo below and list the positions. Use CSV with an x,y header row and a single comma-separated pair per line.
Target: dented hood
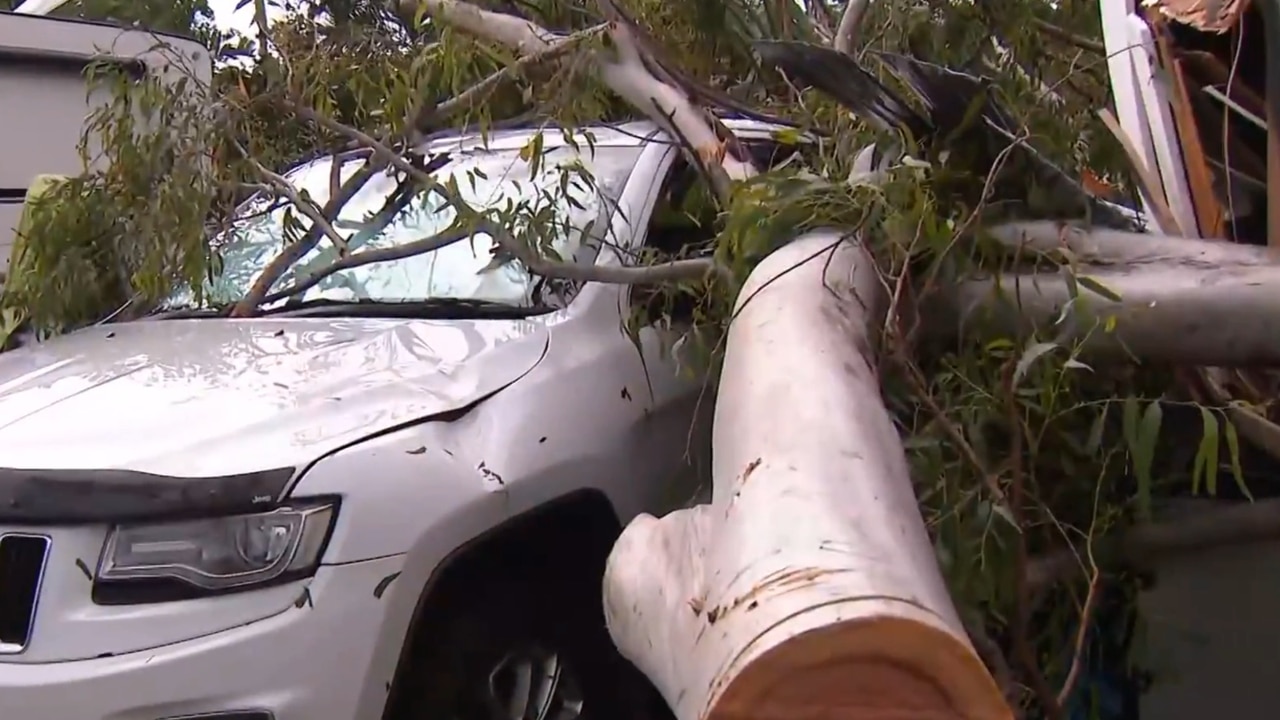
x,y
212,397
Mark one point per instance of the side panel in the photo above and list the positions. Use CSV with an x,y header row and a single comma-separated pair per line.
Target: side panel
x,y
1142,105
677,398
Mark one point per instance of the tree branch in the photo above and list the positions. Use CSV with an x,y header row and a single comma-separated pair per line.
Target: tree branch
x,y
649,274
428,117
277,184
626,73
1082,637
850,23
380,150
1057,33
368,257
1175,300
1103,246
692,269
247,306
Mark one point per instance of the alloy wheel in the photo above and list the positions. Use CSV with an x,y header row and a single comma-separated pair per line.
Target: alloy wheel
x,y
534,684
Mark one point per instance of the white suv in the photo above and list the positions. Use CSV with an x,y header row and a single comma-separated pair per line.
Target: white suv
x,y
392,494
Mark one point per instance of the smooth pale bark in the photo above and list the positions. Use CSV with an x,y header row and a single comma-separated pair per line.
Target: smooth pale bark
x,y
846,38
808,588
623,71
1182,300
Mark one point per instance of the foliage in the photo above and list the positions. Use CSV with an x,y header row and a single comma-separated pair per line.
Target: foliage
x,y
127,232
192,18
1018,448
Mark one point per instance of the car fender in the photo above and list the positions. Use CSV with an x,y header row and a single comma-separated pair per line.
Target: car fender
x,y
422,492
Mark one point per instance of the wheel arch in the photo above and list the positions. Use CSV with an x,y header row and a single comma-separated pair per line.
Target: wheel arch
x,y
585,514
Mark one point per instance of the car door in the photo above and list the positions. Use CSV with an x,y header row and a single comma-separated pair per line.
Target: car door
x,y
676,391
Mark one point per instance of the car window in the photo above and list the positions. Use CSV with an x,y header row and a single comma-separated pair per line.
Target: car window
x,y
552,193
684,223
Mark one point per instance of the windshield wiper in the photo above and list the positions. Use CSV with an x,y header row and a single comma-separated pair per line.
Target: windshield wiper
x,y
187,312
432,308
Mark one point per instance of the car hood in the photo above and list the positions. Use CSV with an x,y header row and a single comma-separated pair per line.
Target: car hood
x,y
211,397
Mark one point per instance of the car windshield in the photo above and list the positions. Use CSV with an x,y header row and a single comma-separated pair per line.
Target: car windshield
x,y
566,192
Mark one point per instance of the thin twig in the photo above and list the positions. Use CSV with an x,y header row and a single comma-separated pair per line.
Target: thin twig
x,y
1082,634
1022,592
280,185
1068,37
921,386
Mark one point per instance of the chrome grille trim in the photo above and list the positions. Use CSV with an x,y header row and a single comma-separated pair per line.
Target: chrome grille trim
x,y
14,648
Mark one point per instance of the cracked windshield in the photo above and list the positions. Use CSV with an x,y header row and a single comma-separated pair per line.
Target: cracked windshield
x,y
566,194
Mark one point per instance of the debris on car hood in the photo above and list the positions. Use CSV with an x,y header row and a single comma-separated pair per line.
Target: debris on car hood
x,y
200,398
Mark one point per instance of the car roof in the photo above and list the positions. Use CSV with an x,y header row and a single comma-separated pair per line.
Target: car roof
x,y
634,133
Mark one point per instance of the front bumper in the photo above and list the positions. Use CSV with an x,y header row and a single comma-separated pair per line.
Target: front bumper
x,y
309,662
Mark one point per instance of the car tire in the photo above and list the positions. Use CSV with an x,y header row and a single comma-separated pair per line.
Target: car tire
x,y
519,640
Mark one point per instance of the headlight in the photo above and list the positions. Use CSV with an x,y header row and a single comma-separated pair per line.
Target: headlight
x,y
217,554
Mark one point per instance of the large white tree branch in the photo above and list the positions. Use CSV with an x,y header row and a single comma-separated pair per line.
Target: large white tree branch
x,y
808,588
521,35
1103,246
1178,300
665,104
846,39
623,70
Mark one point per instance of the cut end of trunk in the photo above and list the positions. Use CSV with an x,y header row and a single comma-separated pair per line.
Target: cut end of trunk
x,y
881,668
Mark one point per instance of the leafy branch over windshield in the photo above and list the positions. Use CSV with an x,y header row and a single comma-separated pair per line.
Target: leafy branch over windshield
x,y
391,242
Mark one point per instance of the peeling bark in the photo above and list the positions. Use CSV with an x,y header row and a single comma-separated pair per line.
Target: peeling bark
x,y
808,588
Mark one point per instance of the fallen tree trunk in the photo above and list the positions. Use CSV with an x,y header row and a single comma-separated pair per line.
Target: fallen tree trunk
x,y
808,588
1180,300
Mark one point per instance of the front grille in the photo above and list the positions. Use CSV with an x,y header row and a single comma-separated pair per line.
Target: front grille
x,y
22,559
